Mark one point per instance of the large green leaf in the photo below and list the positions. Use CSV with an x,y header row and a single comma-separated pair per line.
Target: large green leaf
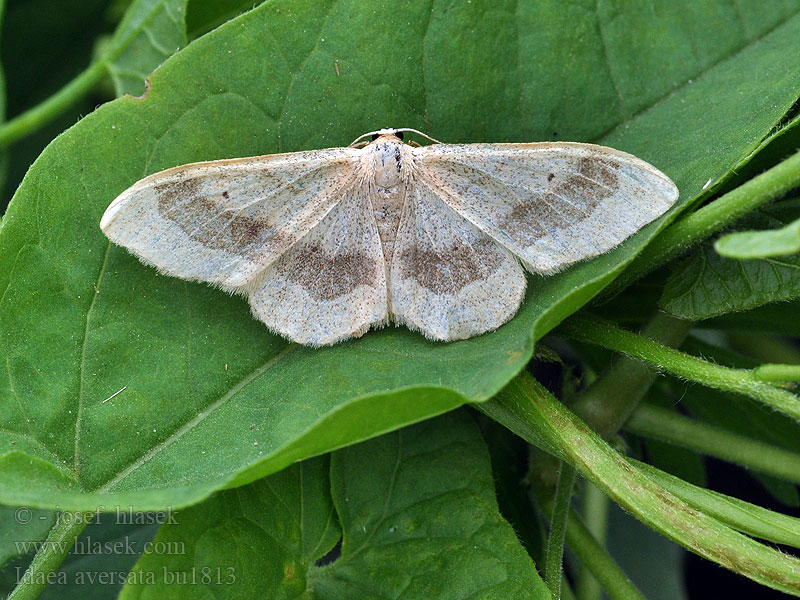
x,y
708,284
418,515
210,398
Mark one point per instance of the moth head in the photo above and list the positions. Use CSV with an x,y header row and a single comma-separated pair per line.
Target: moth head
x,y
386,159
398,133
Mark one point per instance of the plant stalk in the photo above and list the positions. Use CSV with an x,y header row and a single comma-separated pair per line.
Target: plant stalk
x,y
680,364
51,554
45,112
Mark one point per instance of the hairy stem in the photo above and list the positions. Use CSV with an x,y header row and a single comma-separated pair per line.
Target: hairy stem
x,y
595,518
554,557
54,549
43,113
607,403
675,362
668,426
597,561
527,409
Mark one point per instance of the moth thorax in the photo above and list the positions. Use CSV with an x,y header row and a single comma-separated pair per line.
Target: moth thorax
x,y
386,162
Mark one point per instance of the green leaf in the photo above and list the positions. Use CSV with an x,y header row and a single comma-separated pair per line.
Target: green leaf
x,y
708,285
257,541
419,520
204,383
761,244
150,32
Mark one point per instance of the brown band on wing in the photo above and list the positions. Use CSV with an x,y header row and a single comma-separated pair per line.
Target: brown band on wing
x,y
593,182
451,270
327,277
204,220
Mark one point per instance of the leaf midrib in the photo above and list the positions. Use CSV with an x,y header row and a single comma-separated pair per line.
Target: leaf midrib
x,y
200,417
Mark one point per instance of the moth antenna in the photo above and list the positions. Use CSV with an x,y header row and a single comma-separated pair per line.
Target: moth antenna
x,y
425,135
390,130
370,134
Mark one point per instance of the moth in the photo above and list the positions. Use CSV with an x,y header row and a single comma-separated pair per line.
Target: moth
x,y
328,243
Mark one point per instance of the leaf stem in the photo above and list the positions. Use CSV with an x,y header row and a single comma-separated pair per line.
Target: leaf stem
x,y
51,554
680,364
777,373
595,511
711,218
528,410
608,402
554,557
668,426
749,518
598,562
46,111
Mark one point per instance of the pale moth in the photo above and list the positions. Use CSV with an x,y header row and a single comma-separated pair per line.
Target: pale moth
x,y
328,243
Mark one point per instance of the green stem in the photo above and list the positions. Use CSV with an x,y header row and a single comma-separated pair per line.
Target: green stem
x,y
43,113
597,561
54,549
699,225
668,426
528,410
607,403
595,517
751,519
680,364
777,373
554,557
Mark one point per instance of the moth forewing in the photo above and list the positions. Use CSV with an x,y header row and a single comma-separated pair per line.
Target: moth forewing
x,y
226,221
551,204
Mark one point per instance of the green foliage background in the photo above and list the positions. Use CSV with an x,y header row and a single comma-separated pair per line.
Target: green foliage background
x,y
210,400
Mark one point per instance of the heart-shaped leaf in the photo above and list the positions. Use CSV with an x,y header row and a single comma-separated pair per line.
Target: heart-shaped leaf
x,y
203,396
